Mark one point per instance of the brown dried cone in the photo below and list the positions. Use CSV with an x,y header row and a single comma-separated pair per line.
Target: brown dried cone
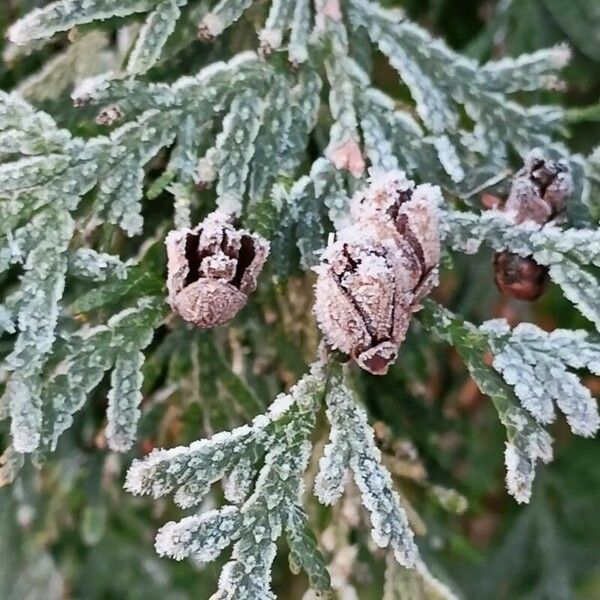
x,y
521,278
539,193
372,277
212,269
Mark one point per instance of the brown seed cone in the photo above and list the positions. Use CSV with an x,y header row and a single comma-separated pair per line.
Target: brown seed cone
x,y
540,190
521,278
539,193
373,276
212,269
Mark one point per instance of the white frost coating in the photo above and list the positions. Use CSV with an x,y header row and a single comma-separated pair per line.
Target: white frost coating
x,y
133,145
159,25
353,446
97,266
90,89
205,169
31,171
276,25
23,394
238,484
439,79
224,14
520,461
526,72
235,149
344,140
535,363
394,140
384,28
203,537
278,490
189,472
124,398
528,442
6,321
37,310
344,147
41,288
82,370
334,465
92,352
61,15
273,139
300,25
280,441
449,158
329,189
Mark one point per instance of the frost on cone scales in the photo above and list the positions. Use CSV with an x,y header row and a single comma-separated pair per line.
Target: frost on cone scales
x,y
539,193
373,276
212,269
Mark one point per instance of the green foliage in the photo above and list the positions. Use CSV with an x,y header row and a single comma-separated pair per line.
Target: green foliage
x,y
123,119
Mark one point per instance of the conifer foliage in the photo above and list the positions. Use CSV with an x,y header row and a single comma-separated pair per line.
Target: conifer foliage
x,y
288,137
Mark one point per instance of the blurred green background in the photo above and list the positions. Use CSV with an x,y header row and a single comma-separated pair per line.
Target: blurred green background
x,y
70,531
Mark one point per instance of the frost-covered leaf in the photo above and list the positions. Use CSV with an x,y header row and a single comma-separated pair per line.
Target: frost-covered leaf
x,y
31,171
305,208
344,147
63,14
121,184
203,537
131,96
526,72
36,307
90,356
300,31
352,448
527,442
189,472
97,266
124,398
439,79
276,24
399,41
272,140
304,552
159,25
90,353
536,364
222,16
282,435
235,148
24,402
41,289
